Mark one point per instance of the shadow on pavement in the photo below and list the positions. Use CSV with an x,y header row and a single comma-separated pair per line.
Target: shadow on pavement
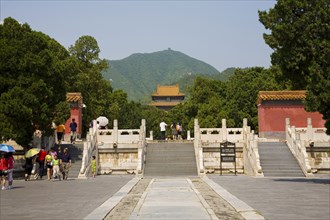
x,y
304,180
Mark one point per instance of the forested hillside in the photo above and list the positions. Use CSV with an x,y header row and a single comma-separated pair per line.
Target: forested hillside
x,y
139,74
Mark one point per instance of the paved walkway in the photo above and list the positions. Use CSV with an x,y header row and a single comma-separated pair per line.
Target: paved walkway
x,y
71,199
281,198
171,198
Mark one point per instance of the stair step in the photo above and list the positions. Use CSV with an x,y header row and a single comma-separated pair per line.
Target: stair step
x,y
277,160
170,159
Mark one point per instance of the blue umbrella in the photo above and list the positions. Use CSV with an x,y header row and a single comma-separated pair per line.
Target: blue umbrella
x,y
6,148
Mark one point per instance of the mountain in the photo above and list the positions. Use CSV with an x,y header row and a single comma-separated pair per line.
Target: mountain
x,y
139,74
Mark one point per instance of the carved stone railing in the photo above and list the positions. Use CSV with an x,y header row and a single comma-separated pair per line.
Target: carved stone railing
x,y
122,151
250,152
298,148
207,147
90,149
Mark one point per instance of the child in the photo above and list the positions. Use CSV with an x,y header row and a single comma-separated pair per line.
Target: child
x,y
49,165
56,168
93,166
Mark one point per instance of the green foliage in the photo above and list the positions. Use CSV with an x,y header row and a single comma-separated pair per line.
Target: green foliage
x,y
213,100
32,67
139,74
300,40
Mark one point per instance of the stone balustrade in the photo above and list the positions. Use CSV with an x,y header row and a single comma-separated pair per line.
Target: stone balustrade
x,y
207,148
121,151
90,149
310,146
250,152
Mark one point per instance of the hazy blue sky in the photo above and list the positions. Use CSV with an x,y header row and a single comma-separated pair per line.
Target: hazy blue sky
x,y
223,33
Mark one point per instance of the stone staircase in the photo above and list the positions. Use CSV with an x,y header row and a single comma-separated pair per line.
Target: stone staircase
x,y
277,160
76,151
170,159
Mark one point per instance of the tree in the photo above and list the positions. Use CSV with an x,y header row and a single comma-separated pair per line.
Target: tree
x,y
96,91
86,50
33,82
300,34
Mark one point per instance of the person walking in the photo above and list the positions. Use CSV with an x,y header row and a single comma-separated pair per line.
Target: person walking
x,y
11,163
66,163
73,127
49,165
3,170
93,166
162,126
28,167
174,131
41,160
56,168
60,129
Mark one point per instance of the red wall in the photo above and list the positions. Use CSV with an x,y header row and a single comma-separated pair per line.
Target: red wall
x,y
76,113
272,118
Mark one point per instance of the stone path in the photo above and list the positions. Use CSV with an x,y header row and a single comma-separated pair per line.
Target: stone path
x,y
281,198
228,197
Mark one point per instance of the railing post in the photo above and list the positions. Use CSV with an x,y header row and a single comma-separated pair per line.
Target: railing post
x,y
224,130
309,130
188,135
115,131
287,126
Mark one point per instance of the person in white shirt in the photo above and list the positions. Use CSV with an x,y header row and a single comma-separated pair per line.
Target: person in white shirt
x,y
162,126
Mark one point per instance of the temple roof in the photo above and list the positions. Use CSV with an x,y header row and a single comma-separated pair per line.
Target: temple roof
x,y
168,91
281,95
74,97
172,104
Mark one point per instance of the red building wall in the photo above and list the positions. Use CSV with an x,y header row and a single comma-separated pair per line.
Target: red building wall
x,y
76,113
272,118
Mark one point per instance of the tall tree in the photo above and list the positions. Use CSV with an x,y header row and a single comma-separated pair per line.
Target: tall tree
x,y
33,82
96,91
300,34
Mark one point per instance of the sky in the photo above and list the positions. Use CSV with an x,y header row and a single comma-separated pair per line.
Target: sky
x,y
222,33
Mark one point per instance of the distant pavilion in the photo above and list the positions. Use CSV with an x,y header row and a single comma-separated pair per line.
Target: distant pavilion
x,y
166,97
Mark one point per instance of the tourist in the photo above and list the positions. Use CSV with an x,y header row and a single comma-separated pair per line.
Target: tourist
x,y
41,160
66,163
56,168
53,152
174,131
179,129
60,129
73,127
93,166
162,126
3,170
11,163
49,165
28,167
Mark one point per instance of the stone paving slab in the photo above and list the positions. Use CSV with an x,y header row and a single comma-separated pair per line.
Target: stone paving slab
x,y
281,198
72,199
171,199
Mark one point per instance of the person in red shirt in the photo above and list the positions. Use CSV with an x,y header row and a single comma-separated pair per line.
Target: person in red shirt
x,y
3,170
41,160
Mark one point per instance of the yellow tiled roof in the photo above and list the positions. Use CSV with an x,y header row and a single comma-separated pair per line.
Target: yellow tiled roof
x,y
168,91
164,103
281,95
73,97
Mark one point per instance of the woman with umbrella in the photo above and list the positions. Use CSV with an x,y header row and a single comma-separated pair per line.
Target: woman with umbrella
x,y
30,159
3,170
9,161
